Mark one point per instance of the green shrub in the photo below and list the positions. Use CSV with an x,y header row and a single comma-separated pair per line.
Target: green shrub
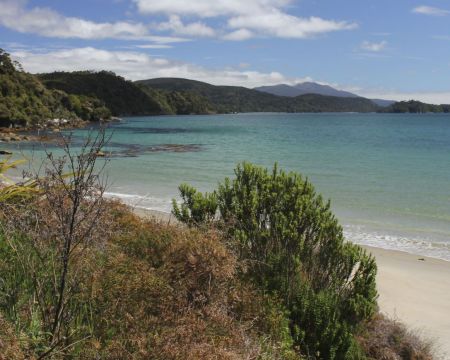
x,y
196,208
294,247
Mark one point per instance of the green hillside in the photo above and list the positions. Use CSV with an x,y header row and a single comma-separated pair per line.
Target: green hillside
x,y
226,99
416,107
125,98
25,101
122,97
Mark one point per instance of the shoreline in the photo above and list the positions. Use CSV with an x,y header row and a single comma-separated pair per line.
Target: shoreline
x,y
164,215
413,289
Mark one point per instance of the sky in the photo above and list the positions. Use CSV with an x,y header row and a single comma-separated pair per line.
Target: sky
x,y
391,49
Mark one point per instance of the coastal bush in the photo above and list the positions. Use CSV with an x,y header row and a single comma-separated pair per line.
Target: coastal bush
x,y
140,289
170,293
128,288
383,338
294,247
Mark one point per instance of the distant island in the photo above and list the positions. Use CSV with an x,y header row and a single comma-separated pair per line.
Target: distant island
x,y
28,100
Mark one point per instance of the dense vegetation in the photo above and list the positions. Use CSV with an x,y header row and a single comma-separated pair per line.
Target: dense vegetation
x,y
228,99
415,107
295,248
125,98
260,272
120,96
25,101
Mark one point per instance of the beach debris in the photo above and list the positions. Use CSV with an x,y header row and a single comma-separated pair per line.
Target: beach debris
x,y
421,259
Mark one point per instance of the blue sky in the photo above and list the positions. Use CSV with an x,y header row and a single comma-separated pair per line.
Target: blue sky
x,y
379,48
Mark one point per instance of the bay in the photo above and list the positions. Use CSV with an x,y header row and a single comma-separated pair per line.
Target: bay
x,y
387,175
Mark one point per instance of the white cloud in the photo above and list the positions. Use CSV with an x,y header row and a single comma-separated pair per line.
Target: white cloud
x,y
429,10
373,46
243,20
248,18
153,46
49,23
137,66
208,8
176,26
283,25
238,35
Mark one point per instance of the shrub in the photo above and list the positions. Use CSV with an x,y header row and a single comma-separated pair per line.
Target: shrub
x,y
383,338
295,248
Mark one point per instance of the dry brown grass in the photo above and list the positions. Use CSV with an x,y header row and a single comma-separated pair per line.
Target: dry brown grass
x,y
171,293
9,344
386,339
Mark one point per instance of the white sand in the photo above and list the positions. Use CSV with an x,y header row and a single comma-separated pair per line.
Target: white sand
x,y
155,215
415,292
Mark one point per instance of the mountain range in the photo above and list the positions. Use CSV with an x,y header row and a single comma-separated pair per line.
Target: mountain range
x,y
228,99
314,88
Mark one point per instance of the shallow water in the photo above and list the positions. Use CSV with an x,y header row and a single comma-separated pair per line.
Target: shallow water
x,y
387,175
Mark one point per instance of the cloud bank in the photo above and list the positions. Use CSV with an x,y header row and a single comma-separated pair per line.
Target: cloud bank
x,y
237,21
246,19
45,22
138,66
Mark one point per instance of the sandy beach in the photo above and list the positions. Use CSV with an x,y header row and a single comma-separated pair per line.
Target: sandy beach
x,y
413,289
416,290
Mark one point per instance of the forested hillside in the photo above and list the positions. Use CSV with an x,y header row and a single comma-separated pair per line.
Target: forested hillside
x,y
25,101
125,98
120,96
416,107
227,99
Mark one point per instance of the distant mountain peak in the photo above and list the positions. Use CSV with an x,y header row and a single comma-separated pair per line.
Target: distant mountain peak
x,y
307,87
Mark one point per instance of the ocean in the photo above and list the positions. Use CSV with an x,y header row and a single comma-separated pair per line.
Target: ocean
x,y
387,175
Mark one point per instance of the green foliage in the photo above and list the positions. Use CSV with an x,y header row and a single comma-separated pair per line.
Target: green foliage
x,y
121,97
10,191
125,98
25,101
296,249
196,208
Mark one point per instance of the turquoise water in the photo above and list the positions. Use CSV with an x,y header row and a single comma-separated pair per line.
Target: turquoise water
x,y
387,175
